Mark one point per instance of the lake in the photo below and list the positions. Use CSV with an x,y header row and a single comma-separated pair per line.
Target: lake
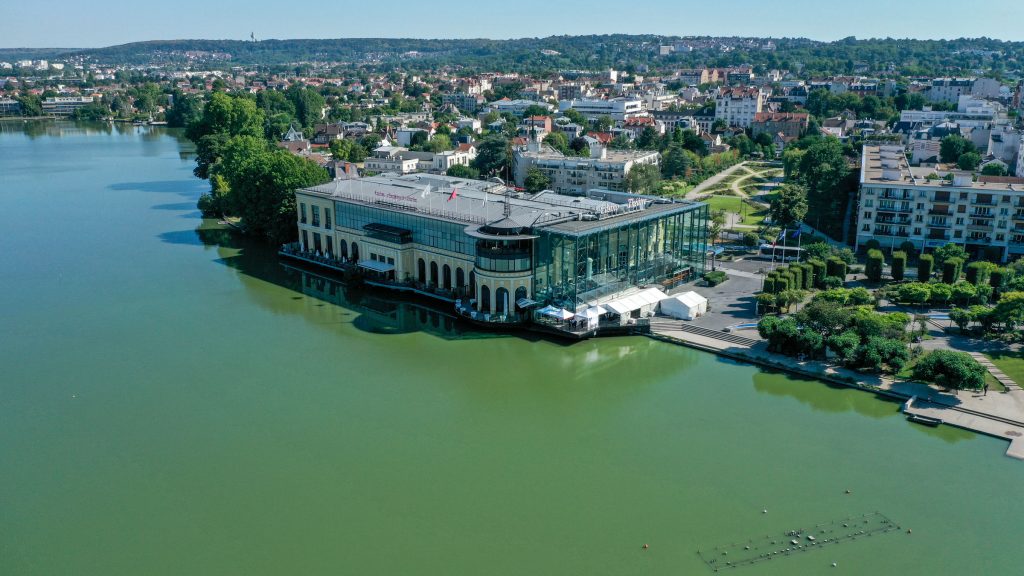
x,y
174,400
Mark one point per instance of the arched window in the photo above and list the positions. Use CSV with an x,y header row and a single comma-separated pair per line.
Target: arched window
x,y
472,282
460,278
433,273
521,293
501,301
343,248
355,252
485,299
421,271
446,276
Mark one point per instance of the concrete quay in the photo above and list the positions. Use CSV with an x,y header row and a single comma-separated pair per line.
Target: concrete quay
x,y
1000,415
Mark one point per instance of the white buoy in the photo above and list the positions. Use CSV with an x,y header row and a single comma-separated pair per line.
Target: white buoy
x,y
764,511
834,564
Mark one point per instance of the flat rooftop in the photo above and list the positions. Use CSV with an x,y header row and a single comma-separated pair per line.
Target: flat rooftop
x,y
888,166
481,202
611,156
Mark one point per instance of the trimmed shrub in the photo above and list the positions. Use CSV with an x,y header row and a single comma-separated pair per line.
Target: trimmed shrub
x,y
808,273
907,247
925,267
873,268
872,245
978,272
951,270
782,283
819,272
997,279
797,274
831,283
769,284
899,265
836,268
715,278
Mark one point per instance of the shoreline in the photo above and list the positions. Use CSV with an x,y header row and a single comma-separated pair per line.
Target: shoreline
x,y
974,421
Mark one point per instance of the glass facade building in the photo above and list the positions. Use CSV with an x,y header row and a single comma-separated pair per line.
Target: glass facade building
x,y
573,267
496,253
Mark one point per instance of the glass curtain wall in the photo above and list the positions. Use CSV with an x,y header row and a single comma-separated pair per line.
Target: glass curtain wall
x,y
574,269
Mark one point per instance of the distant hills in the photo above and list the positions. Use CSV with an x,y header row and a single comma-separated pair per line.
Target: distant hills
x,y
556,52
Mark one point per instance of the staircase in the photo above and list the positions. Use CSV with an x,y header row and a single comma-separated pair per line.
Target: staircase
x,y
662,325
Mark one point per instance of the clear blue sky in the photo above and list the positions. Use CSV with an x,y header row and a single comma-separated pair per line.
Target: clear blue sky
x,y
93,23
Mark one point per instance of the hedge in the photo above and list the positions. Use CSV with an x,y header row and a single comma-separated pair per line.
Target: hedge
x,y
819,272
873,267
925,267
951,270
899,265
836,268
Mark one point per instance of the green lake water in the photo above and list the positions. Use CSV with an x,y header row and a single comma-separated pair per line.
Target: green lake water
x,y
175,401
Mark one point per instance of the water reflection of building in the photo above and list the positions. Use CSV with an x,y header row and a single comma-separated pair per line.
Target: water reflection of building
x,y
496,252
379,314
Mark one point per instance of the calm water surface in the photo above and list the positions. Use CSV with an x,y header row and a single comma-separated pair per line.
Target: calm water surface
x,y
175,401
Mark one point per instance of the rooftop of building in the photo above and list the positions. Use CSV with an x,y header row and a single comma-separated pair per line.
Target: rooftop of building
x,y
477,203
611,156
888,166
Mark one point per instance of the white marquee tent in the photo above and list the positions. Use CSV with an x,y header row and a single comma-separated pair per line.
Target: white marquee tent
x,y
686,306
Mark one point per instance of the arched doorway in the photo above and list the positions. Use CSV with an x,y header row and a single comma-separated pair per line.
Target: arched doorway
x,y
446,277
500,301
421,271
472,282
433,273
460,278
343,248
521,293
355,252
485,299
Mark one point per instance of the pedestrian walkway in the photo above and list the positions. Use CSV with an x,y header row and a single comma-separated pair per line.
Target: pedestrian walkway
x,y
996,373
679,329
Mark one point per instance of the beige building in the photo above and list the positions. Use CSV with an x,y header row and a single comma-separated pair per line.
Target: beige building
x,y
900,203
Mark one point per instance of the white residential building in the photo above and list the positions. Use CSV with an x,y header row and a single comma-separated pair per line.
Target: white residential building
x,y
605,169
517,107
738,106
618,108
898,203
949,89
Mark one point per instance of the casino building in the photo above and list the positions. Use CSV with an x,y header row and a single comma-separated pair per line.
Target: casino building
x,y
495,253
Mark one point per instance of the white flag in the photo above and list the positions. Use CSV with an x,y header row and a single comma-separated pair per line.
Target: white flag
x,y
426,190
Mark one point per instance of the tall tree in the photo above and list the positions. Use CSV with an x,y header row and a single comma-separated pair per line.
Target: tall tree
x,y
790,205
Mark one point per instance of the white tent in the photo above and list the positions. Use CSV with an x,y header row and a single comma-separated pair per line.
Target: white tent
x,y
644,301
686,306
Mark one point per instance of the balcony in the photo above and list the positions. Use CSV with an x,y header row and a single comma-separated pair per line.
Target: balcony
x,y
940,212
936,235
977,214
891,220
894,208
984,202
891,233
1018,215
939,225
985,228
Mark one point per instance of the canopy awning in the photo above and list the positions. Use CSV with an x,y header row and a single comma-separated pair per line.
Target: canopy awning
x,y
591,313
553,312
376,265
524,303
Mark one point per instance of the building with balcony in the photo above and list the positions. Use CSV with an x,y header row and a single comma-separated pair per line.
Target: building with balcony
x,y
495,253
619,109
64,105
575,175
739,106
899,203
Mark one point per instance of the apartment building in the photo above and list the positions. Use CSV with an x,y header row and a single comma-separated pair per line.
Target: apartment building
x,y
618,108
789,124
739,106
64,105
606,169
899,203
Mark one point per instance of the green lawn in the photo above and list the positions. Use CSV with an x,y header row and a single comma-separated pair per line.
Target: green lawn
x,y
752,216
1011,363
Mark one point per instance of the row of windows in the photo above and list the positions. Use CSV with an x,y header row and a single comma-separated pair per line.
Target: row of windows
x,y
977,220
316,215
901,231
426,231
